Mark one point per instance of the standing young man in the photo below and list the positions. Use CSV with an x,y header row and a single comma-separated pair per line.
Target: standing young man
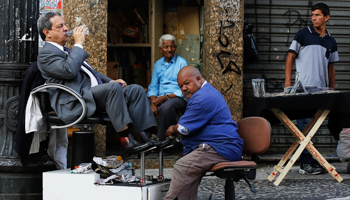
x,y
314,51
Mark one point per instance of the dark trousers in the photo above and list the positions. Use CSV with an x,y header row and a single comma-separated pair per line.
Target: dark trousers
x,y
124,105
305,156
168,114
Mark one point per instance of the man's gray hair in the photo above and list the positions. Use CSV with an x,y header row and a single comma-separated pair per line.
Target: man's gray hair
x,y
166,37
45,22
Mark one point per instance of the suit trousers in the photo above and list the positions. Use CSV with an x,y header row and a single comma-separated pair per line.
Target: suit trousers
x,y
124,105
189,170
169,111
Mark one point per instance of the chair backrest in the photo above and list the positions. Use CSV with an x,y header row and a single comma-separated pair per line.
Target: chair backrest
x,y
256,134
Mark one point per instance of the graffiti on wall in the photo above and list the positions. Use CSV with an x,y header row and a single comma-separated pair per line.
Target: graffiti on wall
x,y
225,55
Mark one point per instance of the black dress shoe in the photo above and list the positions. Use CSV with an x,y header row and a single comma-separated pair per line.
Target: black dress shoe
x,y
164,143
127,151
157,143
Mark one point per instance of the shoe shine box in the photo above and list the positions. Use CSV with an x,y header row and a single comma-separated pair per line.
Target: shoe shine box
x,y
61,184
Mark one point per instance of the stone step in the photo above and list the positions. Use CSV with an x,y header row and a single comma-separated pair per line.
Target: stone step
x,y
152,162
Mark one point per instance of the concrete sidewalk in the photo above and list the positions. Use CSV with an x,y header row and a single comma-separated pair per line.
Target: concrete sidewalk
x,y
293,186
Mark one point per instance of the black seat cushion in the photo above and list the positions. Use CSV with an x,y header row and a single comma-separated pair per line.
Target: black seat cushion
x,y
101,118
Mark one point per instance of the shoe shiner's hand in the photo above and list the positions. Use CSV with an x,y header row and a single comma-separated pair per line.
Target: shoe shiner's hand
x,y
172,133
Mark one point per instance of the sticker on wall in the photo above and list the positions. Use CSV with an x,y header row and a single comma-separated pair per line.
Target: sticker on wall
x,y
47,6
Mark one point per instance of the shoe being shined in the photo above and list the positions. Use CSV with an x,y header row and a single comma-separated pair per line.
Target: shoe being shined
x,y
127,151
131,146
306,168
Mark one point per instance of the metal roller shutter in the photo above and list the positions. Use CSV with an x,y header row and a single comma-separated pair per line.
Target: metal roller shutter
x,y
275,24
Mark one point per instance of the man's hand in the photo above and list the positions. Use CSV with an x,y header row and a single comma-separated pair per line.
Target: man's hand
x,y
159,100
154,109
288,68
120,81
79,34
170,131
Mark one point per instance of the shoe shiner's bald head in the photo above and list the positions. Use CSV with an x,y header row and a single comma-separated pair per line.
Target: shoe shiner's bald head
x,y
189,80
191,70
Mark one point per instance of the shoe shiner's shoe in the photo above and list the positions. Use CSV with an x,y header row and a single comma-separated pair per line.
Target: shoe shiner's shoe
x,y
306,168
154,137
175,138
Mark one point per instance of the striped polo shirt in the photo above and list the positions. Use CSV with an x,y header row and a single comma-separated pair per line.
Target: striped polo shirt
x,y
314,53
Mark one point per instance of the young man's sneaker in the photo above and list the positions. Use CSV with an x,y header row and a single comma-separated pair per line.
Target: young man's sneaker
x,y
320,168
309,169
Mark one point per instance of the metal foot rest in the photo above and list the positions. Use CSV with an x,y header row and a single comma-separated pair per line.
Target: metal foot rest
x,y
142,165
161,176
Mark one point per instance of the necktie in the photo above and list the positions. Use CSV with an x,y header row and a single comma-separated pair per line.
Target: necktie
x,y
99,81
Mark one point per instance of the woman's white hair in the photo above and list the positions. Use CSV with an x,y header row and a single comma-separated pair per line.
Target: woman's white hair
x,y
166,37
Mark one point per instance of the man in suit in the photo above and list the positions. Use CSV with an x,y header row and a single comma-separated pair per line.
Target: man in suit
x,y
124,104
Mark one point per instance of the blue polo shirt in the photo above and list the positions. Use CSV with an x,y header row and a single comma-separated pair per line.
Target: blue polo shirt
x,y
208,119
164,77
314,53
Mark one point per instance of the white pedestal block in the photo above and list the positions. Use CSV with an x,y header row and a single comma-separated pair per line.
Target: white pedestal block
x,y
62,185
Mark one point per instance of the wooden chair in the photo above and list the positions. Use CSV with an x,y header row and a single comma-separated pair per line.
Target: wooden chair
x,y
256,134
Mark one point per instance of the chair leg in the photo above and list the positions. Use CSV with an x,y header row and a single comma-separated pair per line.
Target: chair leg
x,y
251,187
229,189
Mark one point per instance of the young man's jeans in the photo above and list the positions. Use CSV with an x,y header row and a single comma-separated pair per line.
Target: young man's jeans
x,y
305,156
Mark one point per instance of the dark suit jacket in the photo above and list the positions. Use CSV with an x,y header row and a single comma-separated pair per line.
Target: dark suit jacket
x,y
58,67
23,141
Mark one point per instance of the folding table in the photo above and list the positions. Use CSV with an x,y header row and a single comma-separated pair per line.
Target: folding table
x,y
284,108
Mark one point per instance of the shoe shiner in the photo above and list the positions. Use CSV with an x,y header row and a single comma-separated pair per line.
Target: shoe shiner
x,y
209,134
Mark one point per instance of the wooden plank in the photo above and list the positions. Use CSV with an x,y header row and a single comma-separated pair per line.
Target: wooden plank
x,y
330,168
312,122
278,168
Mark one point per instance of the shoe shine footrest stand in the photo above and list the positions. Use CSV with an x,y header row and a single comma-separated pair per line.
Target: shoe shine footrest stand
x,y
161,175
142,166
61,184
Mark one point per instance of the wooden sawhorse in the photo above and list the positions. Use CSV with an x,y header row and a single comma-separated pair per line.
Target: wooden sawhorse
x,y
303,139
